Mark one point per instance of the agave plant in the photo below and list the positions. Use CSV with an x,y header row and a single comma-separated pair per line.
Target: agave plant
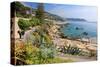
x,y
71,50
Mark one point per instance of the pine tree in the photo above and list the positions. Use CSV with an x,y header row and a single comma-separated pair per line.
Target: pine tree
x,y
40,12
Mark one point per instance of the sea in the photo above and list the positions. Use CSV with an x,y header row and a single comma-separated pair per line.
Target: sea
x,y
76,29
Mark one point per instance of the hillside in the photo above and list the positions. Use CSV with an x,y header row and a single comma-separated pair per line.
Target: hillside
x,y
26,12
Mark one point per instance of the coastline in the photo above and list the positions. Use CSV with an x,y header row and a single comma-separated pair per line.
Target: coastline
x,y
86,44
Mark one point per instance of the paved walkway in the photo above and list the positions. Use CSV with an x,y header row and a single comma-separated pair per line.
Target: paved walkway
x,y
77,58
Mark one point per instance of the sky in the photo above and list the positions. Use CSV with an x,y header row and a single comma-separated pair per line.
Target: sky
x,y
69,11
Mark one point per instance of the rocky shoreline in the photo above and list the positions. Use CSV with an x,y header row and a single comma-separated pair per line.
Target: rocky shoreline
x,y
85,45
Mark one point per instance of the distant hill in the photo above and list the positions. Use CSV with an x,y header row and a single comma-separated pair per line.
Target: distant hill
x,y
53,17
75,19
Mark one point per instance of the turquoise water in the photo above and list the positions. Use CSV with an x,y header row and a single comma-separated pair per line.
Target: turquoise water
x,y
76,29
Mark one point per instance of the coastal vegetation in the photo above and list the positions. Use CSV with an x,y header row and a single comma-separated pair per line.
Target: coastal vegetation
x,y
38,48
71,50
43,40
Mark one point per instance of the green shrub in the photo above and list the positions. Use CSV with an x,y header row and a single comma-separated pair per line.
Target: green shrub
x,y
18,14
38,37
45,46
31,54
27,15
34,21
47,39
23,24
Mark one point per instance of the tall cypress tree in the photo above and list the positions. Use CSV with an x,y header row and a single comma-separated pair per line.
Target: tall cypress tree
x,y
40,12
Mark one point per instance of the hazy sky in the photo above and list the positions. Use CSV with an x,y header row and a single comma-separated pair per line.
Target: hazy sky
x,y
69,11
